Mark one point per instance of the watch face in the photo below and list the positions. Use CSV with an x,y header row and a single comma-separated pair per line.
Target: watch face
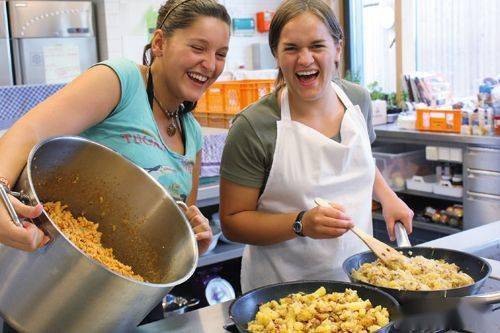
x,y
297,226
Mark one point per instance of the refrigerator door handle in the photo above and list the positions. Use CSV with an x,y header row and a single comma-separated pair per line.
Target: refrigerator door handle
x,y
473,172
482,196
483,150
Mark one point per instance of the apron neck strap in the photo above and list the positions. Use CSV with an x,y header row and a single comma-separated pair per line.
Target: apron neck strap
x,y
285,105
343,96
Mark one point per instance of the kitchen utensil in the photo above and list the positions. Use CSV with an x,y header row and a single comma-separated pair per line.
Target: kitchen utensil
x,y
59,288
177,305
386,253
244,308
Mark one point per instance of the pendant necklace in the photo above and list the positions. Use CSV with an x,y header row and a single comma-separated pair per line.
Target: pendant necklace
x,y
173,116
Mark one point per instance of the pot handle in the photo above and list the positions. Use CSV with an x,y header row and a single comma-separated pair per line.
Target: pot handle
x,y
192,302
484,299
401,235
182,205
4,194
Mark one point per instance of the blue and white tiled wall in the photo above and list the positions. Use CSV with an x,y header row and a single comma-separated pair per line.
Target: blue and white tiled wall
x,y
15,101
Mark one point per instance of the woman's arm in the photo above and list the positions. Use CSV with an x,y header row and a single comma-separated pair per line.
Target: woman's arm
x,y
393,208
81,104
196,180
199,223
241,222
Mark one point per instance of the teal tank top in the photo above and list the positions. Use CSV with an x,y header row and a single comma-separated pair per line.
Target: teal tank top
x,y
130,129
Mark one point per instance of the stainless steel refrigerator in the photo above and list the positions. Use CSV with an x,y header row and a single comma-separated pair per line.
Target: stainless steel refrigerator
x,y
52,41
6,77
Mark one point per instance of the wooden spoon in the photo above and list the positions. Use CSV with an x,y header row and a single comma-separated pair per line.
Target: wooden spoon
x,y
386,253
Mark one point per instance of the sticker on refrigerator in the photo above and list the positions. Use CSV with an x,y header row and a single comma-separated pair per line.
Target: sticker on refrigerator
x,y
62,63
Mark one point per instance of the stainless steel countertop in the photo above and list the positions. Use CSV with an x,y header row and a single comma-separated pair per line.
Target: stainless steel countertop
x,y
391,131
222,252
212,319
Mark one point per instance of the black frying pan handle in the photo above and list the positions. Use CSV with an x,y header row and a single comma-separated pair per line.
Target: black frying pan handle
x,y
231,327
401,235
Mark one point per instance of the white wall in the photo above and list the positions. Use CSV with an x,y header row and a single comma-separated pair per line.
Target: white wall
x,y
123,33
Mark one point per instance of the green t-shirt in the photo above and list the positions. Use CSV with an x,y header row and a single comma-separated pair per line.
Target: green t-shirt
x,y
251,141
131,130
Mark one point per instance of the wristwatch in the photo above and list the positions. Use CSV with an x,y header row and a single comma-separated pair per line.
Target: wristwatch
x,y
297,225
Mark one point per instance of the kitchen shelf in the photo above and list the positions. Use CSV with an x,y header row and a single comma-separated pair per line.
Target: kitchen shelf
x,y
222,252
208,195
430,195
444,229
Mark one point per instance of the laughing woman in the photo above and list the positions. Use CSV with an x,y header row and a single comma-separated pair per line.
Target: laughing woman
x,y
310,138
141,111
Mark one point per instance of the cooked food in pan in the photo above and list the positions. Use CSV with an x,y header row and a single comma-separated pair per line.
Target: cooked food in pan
x,y
320,312
83,233
418,273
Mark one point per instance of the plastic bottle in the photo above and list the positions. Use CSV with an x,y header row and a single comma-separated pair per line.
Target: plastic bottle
x,y
495,96
439,172
447,172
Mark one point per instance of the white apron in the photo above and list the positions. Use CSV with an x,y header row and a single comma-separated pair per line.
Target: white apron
x,y
306,165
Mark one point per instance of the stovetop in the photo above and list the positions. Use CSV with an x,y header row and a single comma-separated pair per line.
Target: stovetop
x,y
483,323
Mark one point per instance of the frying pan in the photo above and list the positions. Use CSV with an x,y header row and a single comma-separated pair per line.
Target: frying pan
x,y
244,308
478,268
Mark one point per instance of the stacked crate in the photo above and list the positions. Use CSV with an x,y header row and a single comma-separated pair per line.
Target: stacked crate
x,y
223,100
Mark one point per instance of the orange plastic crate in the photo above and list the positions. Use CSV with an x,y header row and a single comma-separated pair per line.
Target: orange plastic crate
x,y
437,120
202,118
232,99
247,93
201,104
215,98
252,90
219,120
263,87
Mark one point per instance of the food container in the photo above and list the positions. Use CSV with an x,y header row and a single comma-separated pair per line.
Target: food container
x,y
445,187
398,162
421,183
59,288
437,120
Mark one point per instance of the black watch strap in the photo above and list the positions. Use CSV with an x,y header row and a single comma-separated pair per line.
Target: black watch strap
x,y
297,225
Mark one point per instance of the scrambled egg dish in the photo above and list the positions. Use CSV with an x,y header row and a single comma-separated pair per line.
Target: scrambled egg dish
x,y
418,273
83,233
319,312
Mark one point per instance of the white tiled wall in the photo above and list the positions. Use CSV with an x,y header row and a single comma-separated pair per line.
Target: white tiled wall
x,y
122,29
240,53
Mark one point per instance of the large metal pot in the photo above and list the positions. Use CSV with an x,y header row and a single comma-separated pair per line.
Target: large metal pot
x,y
60,289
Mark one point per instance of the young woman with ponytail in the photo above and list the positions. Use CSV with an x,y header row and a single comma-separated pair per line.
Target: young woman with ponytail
x,y
310,138
141,111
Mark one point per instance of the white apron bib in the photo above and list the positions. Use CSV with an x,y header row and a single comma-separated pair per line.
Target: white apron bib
x,y
306,165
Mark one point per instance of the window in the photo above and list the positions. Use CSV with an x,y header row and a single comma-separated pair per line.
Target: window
x,y
372,40
459,39
455,38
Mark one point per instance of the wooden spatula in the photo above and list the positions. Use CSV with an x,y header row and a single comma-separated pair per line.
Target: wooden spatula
x,y
386,253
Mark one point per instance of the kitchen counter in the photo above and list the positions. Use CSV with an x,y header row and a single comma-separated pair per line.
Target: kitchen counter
x,y
391,132
212,319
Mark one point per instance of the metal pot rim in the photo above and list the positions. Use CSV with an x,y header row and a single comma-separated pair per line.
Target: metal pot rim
x,y
165,192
